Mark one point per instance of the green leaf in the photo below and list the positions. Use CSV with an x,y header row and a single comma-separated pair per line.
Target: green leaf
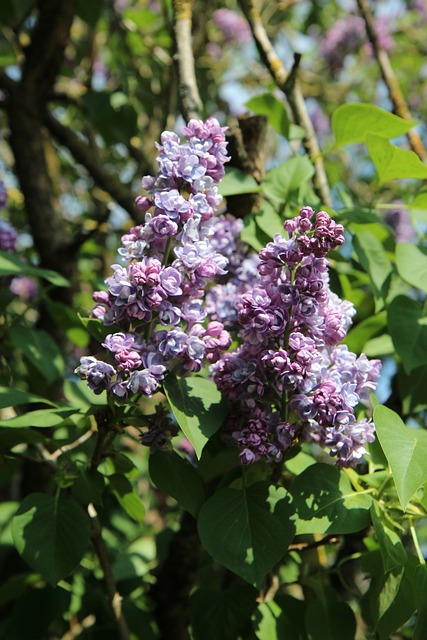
x,y
221,615
236,182
326,620
11,265
364,331
391,596
289,177
9,438
268,220
391,548
407,323
268,105
41,418
10,397
177,478
373,259
115,120
393,163
51,534
406,451
88,487
197,406
325,502
411,262
40,350
247,530
127,496
350,123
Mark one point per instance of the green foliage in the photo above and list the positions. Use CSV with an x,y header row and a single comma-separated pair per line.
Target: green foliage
x,y
248,530
177,478
197,406
351,123
51,534
324,502
405,449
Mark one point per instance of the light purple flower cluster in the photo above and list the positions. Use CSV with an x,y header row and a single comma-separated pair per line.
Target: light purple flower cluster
x,y
344,37
233,27
157,297
289,378
8,236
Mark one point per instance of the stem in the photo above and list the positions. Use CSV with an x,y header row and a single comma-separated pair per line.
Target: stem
x,y
289,84
97,539
188,92
396,96
110,584
416,543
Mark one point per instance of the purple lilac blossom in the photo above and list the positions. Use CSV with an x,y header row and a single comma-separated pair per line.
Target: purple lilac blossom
x,y
165,266
289,362
233,27
344,37
8,236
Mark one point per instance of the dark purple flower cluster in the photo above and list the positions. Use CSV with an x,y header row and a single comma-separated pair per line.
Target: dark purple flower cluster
x,y
157,296
289,377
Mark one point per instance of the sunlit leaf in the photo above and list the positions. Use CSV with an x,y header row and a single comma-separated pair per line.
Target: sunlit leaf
x,y
350,123
406,451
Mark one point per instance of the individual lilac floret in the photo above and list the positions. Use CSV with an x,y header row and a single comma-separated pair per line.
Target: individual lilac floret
x,y
98,374
8,236
289,362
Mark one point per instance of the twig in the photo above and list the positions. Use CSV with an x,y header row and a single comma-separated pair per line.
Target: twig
x,y
303,546
290,85
188,92
399,103
110,584
93,163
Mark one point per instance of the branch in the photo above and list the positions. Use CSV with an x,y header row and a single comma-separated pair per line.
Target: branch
x,y
187,84
110,584
99,545
289,84
45,53
396,96
93,163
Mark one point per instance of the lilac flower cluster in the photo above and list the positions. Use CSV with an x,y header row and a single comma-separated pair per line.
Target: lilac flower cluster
x,y
344,37
233,27
289,378
157,297
8,235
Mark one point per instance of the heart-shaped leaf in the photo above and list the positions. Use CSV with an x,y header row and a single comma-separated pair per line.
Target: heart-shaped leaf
x,y
178,478
406,451
247,530
51,534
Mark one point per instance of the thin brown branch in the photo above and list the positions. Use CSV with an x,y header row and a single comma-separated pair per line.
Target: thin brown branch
x,y
289,84
87,156
191,103
396,96
110,584
304,546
